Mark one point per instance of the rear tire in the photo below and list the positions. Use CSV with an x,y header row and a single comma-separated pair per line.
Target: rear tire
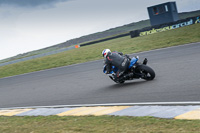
x,y
147,71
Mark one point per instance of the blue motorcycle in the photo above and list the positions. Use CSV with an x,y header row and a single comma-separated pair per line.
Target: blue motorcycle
x,y
136,70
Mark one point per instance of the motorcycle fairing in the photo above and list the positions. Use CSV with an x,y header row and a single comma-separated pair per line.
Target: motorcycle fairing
x,y
132,62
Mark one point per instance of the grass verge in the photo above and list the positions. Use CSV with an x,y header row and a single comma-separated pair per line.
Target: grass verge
x,y
86,124
126,45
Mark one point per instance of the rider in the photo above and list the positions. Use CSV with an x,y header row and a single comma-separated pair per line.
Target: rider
x,y
118,60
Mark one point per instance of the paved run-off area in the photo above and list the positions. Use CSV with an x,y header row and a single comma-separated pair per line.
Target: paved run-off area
x,y
188,112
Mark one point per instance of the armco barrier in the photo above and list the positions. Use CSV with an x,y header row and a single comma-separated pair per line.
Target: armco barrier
x,y
165,27
106,39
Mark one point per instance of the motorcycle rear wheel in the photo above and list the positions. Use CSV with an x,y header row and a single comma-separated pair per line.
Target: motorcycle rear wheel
x,y
147,72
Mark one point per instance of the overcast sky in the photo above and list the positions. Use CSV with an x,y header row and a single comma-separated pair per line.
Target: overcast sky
x,y
27,25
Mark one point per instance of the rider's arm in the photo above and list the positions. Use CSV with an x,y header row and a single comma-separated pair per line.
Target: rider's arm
x,y
107,65
108,68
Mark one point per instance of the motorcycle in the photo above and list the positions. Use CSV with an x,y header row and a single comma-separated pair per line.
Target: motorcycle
x,y
136,70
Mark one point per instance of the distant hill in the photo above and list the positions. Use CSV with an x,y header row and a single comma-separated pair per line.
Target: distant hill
x,y
99,35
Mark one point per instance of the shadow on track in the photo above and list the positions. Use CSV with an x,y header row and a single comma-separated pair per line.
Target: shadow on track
x,y
127,84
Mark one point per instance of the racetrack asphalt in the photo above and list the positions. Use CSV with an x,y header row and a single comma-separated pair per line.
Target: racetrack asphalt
x,y
177,79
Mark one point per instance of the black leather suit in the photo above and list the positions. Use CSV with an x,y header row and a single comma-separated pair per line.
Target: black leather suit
x,y
118,60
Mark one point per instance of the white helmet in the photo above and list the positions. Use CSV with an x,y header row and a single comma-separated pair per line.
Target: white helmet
x,y
105,52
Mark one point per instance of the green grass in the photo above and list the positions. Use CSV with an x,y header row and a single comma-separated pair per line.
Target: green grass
x,y
126,45
100,124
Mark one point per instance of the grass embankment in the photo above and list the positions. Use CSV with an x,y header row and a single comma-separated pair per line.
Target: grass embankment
x,y
108,124
126,45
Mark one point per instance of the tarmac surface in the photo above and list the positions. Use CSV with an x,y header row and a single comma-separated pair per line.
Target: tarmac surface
x,y
177,80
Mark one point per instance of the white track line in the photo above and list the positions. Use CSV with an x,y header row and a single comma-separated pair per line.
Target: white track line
x,y
113,104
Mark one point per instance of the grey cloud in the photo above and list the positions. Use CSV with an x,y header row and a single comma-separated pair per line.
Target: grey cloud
x,y
29,3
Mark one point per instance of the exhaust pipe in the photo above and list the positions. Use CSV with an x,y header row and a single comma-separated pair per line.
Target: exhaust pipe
x,y
145,61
